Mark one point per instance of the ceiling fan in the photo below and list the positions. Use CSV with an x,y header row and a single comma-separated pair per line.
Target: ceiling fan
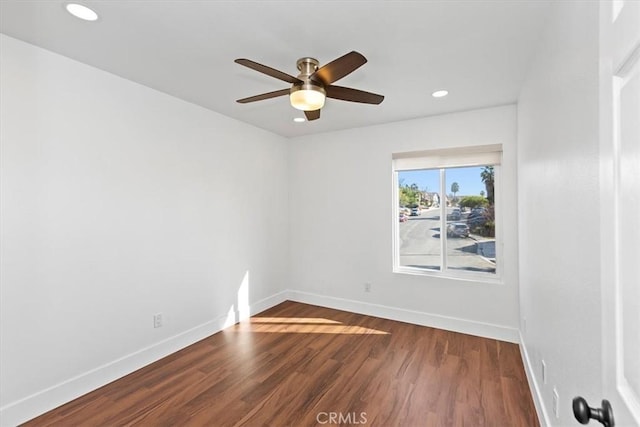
x,y
309,90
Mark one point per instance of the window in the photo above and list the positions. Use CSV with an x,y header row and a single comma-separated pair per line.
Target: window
x,y
446,212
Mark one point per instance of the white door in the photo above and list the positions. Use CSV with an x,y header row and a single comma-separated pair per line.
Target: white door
x,y
620,209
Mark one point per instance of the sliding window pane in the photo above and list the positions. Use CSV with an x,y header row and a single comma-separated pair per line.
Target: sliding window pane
x,y
419,229
470,224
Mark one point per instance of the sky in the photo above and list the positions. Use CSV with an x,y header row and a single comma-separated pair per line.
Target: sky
x,y
468,180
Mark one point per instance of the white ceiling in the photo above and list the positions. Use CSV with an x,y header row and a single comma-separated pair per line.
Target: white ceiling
x,y
478,50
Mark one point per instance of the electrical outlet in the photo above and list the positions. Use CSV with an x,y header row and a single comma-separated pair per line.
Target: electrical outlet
x,y
544,371
556,405
524,325
157,320
367,287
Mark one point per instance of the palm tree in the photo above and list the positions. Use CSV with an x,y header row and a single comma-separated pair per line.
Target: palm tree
x,y
487,176
454,189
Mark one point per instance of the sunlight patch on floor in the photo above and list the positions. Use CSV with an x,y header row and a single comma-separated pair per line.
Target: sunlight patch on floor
x,y
302,325
305,320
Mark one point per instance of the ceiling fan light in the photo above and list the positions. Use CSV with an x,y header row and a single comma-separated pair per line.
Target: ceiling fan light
x,y
307,97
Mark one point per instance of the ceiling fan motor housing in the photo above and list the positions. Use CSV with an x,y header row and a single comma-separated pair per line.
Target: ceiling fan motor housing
x,y
307,67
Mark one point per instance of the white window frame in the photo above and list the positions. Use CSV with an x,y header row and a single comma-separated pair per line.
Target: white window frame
x,y
484,155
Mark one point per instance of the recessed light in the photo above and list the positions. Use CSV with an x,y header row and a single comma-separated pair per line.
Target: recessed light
x,y
440,93
82,12
299,119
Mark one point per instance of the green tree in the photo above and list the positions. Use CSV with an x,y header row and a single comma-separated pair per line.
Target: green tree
x,y
409,195
454,189
482,193
473,202
487,176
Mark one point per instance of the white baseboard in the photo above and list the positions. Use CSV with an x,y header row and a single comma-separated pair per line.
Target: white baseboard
x,y
37,404
268,302
454,324
543,415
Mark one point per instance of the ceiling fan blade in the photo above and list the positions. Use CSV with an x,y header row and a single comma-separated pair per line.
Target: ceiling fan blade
x,y
353,95
267,70
262,96
312,115
338,68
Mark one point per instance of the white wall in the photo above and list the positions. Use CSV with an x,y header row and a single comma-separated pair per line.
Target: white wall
x,y
341,224
119,202
559,210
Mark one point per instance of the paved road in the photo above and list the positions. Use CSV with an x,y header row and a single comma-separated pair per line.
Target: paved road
x,y
420,245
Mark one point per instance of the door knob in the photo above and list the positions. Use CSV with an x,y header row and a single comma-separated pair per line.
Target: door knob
x,y
584,413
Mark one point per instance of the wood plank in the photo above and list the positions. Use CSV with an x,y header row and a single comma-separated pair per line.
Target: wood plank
x,y
295,362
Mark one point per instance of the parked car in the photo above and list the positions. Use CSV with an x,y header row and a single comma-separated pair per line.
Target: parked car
x,y
455,214
478,217
403,217
415,211
457,229
478,210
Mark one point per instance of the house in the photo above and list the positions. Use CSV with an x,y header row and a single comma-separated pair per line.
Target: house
x,y
126,204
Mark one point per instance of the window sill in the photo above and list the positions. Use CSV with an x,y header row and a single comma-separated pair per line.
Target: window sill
x,y
457,276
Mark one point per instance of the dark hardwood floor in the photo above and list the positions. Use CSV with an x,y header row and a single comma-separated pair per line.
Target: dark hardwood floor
x,y
302,365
